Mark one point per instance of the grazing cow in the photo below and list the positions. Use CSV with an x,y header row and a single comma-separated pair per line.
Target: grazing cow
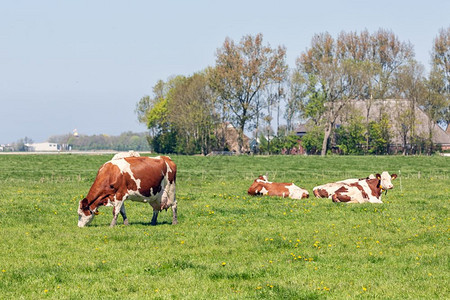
x,y
261,186
357,190
143,179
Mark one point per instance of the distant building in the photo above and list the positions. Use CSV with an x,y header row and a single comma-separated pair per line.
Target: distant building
x,y
231,135
394,108
300,130
45,146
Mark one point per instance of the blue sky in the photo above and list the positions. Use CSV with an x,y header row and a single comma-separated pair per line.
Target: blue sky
x,y
85,64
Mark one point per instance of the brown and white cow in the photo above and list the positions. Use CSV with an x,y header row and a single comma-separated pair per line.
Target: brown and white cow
x,y
143,179
261,186
357,190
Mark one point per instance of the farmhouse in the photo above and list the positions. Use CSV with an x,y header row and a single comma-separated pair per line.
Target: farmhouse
x,y
230,136
396,110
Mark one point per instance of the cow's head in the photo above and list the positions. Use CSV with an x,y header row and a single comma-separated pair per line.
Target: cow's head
x,y
385,180
256,184
85,213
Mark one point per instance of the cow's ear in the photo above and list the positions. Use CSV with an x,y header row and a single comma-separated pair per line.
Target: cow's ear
x,y
393,176
378,176
84,203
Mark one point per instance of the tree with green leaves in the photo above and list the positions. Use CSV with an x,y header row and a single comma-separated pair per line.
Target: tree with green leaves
x,y
380,135
353,66
192,113
439,80
241,73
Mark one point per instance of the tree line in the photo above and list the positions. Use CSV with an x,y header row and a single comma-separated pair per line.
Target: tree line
x,y
123,142
252,87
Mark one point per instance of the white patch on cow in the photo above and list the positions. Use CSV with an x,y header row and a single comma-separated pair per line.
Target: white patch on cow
x,y
84,220
386,183
264,191
330,188
296,192
168,169
264,181
355,195
125,167
130,153
359,196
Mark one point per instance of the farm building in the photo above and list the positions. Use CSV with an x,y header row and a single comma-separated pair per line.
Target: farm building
x,y
396,109
45,146
230,136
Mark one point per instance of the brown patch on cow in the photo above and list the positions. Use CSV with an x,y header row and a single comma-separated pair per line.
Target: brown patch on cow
x,y
172,175
150,171
84,206
338,197
321,193
277,189
273,188
374,185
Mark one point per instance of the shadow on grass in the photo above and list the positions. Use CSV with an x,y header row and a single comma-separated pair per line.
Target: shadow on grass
x,y
131,224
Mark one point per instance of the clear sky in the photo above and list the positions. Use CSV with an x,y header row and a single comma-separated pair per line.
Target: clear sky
x,y
85,64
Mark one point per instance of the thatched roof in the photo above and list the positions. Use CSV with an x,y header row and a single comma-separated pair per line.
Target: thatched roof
x,y
394,108
231,138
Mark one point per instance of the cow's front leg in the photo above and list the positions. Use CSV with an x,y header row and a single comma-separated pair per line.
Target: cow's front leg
x,y
116,210
124,215
155,217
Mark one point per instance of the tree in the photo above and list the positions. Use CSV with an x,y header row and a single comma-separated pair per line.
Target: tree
x,y
155,113
330,75
350,137
354,66
242,71
439,81
410,83
380,135
192,113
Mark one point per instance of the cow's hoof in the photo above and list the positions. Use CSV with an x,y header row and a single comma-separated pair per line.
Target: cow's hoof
x,y
153,223
125,222
174,222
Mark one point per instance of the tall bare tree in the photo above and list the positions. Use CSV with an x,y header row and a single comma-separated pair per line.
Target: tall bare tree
x,y
440,71
242,71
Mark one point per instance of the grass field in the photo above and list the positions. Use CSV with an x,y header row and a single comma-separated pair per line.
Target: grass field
x,y
227,244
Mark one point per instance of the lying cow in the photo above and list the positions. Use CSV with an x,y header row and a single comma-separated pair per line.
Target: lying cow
x,y
261,186
143,179
357,190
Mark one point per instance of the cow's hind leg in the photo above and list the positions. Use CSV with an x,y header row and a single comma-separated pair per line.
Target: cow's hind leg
x,y
155,217
338,197
124,215
174,212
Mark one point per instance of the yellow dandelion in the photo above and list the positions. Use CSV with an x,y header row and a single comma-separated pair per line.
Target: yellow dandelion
x,y
364,289
45,291
224,264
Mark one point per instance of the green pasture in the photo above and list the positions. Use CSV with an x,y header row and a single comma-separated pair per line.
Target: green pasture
x,y
227,244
